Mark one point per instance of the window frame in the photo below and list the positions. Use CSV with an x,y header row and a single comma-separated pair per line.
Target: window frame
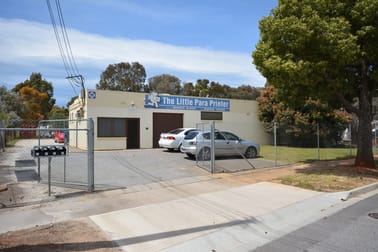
x,y
212,115
111,127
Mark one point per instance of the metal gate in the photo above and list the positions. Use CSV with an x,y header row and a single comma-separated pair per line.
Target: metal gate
x,y
40,152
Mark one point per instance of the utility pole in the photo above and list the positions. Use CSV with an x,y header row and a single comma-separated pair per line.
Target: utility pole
x,y
81,83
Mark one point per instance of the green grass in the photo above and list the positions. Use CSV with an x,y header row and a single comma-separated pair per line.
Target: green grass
x,y
330,178
296,154
11,143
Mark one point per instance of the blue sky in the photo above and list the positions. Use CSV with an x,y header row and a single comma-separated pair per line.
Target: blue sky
x,y
191,39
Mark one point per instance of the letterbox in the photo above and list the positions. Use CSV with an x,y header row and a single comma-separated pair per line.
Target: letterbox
x,y
48,151
61,150
36,151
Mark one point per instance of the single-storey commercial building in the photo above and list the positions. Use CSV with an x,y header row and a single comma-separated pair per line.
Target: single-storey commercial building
x,y
128,120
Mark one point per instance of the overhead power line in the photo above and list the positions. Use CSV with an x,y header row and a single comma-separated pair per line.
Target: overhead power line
x,y
61,35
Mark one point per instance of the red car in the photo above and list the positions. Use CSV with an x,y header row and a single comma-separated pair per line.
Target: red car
x,y
59,137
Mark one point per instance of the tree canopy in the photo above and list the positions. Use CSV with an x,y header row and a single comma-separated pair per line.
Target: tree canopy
x,y
11,105
58,113
204,87
165,83
299,126
123,77
36,94
324,50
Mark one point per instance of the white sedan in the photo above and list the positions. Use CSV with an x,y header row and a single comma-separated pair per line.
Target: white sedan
x,y
173,139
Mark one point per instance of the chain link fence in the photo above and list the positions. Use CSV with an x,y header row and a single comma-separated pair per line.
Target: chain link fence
x,y
291,144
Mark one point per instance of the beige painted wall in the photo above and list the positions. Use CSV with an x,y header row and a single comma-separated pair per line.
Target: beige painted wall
x,y
242,118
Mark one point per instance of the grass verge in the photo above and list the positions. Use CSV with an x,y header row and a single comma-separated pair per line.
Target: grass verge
x,y
11,143
299,154
330,178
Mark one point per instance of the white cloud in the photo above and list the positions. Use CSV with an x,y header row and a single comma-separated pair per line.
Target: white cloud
x,y
23,42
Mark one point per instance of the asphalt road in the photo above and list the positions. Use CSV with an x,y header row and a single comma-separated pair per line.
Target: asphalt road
x,y
351,229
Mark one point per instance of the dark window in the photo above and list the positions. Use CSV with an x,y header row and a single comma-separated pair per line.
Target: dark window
x,y
205,115
176,131
230,136
206,135
191,134
111,127
189,131
218,136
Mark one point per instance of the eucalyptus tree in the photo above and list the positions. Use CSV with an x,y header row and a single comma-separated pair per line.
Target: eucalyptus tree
x,y
325,50
123,77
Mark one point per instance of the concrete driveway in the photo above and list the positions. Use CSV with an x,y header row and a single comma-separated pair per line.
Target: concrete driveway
x,y
124,168
145,166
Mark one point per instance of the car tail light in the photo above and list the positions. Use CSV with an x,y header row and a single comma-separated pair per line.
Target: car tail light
x,y
171,138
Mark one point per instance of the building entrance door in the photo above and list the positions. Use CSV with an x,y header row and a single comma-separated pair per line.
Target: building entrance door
x,y
132,133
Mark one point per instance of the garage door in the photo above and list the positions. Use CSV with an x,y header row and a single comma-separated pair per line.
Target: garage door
x,y
164,122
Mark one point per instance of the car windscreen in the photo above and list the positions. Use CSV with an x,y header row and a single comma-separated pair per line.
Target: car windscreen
x,y
191,135
176,131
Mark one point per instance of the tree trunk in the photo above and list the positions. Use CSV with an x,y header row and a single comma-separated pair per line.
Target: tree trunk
x,y
364,156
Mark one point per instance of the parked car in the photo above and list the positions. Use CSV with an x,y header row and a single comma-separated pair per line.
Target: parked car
x,y
59,137
173,139
198,143
44,133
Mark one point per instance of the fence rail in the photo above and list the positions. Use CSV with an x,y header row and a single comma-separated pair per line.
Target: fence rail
x,y
89,130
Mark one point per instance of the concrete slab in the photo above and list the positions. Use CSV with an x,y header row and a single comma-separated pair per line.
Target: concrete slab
x,y
27,218
160,226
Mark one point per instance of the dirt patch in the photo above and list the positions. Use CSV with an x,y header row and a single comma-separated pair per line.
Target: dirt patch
x,y
77,235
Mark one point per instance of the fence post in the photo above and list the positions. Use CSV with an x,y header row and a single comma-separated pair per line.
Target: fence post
x,y
49,174
77,137
212,163
275,142
375,135
90,142
318,139
350,142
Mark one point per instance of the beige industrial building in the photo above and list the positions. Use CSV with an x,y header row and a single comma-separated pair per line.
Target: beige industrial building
x,y
127,120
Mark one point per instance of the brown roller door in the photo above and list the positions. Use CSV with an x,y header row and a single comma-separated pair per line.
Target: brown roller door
x,y
164,122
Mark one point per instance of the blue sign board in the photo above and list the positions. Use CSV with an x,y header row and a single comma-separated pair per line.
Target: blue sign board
x,y
155,100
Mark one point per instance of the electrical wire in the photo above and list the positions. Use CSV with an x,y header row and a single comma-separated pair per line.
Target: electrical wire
x,y
66,40
61,35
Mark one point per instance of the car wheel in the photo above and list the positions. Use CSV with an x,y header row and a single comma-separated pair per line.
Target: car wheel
x,y
251,152
204,154
179,147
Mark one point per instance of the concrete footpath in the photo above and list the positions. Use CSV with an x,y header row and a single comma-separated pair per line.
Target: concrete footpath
x,y
237,219
205,214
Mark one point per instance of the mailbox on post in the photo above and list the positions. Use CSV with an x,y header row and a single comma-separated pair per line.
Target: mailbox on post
x,y
48,151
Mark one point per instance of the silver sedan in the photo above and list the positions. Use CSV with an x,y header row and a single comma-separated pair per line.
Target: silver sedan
x,y
198,143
